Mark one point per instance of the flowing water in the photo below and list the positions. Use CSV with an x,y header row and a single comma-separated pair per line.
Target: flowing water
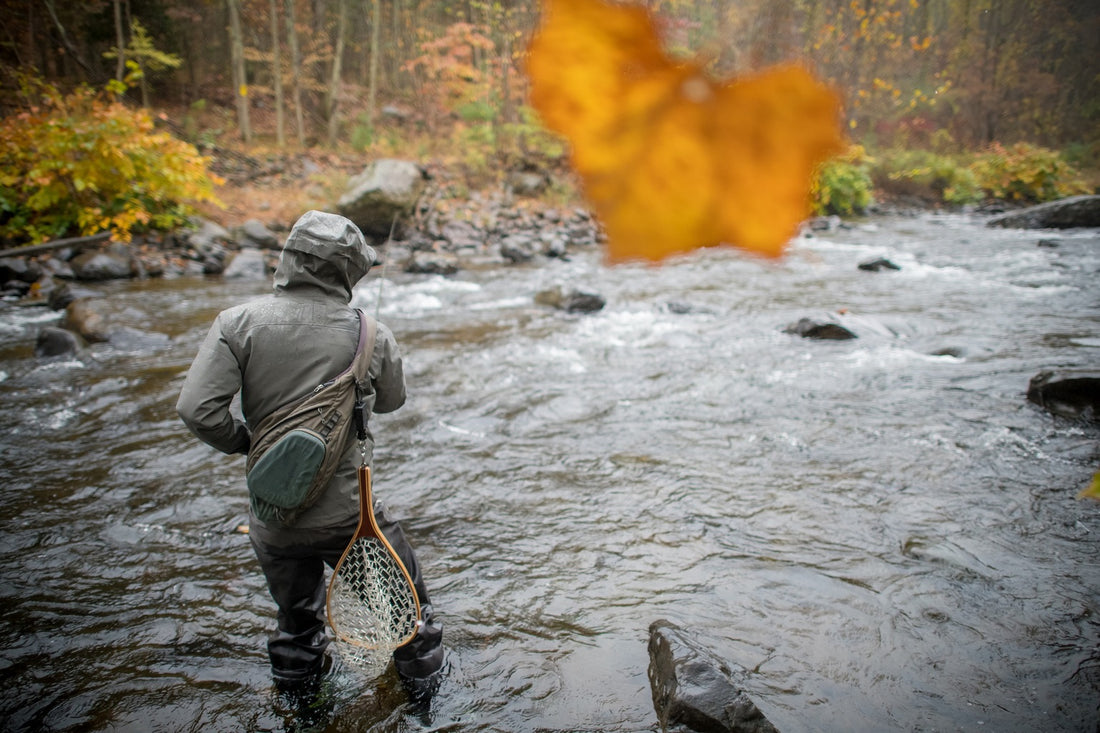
x,y
883,533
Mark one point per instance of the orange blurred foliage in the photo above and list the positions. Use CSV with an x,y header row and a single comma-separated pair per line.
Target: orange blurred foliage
x,y
670,159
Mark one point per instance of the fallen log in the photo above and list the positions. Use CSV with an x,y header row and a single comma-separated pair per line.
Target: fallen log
x,y
33,249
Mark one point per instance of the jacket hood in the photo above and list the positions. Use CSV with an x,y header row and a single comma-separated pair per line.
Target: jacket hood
x,y
324,251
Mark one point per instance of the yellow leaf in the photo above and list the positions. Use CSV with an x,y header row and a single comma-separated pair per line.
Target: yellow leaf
x,y
670,159
1093,489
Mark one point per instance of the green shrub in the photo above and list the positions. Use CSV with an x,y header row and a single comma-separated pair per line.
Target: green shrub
x,y
928,176
842,186
1026,173
532,140
476,111
1082,155
476,151
84,162
362,134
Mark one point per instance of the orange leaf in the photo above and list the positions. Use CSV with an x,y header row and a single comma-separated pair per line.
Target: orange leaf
x,y
671,160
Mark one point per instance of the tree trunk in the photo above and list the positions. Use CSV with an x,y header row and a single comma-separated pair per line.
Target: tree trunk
x,y
396,44
501,70
73,52
337,69
296,69
375,50
240,80
277,75
120,42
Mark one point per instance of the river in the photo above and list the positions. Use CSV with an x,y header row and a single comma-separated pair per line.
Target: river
x,y
883,532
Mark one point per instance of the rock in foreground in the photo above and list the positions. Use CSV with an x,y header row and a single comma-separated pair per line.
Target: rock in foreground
x,y
695,691
1071,393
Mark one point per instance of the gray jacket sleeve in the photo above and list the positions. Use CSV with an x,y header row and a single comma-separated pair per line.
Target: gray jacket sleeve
x,y
208,390
387,372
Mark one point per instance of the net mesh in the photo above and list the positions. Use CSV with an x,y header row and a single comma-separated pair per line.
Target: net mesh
x,y
371,606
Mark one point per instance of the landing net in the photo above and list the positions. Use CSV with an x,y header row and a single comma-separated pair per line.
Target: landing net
x,y
371,606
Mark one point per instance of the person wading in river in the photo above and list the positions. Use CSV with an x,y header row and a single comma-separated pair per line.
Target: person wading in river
x,y
272,351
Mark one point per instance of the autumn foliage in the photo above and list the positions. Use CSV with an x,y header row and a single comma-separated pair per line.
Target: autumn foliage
x,y
1026,174
85,162
670,159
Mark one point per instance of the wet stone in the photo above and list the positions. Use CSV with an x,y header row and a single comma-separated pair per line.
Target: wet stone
x,y
693,690
810,329
1069,393
54,341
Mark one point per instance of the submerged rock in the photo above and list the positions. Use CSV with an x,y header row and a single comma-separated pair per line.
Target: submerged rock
x,y
878,265
693,690
810,329
1072,393
570,300
54,341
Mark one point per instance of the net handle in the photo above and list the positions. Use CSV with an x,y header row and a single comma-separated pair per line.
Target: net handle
x,y
368,527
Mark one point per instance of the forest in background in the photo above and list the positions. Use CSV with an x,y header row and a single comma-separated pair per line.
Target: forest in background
x,y
444,79
948,74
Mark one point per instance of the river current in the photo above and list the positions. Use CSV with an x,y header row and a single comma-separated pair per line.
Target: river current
x,y
881,533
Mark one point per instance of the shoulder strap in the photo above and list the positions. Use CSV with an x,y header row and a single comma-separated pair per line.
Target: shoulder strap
x,y
368,331
358,369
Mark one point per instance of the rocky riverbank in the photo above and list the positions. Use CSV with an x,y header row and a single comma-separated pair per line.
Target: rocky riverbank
x,y
407,217
413,225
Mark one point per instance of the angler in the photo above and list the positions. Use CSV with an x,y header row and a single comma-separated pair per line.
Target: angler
x,y
272,351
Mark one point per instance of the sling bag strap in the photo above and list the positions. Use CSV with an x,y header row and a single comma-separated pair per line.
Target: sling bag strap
x,y
296,449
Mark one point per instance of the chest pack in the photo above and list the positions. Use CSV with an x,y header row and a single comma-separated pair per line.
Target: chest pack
x,y
296,449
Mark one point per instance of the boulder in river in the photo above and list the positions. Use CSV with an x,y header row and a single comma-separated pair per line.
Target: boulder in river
x,y
54,341
248,264
101,266
432,262
53,264
206,233
810,329
878,265
824,223
19,269
570,300
254,233
1067,213
383,196
59,294
518,247
83,317
693,690
1072,393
